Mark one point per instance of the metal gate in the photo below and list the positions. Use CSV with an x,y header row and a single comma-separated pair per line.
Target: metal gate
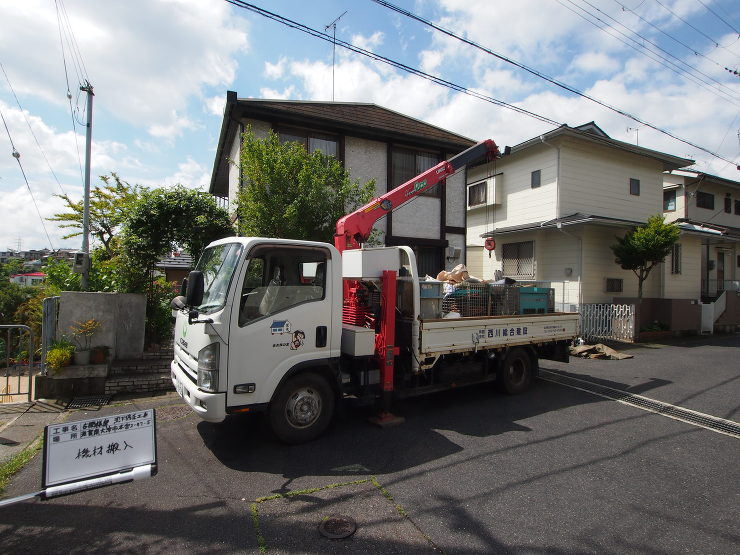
x,y
608,321
16,363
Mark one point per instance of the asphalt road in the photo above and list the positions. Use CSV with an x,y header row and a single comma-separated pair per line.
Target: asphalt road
x,y
556,470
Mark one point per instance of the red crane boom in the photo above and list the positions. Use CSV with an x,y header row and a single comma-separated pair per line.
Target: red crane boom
x,y
354,229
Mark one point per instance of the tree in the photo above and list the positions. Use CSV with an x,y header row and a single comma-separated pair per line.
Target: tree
x,y
164,219
644,247
109,206
291,193
160,221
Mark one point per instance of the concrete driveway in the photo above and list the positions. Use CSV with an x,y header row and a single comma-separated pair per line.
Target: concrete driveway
x,y
556,470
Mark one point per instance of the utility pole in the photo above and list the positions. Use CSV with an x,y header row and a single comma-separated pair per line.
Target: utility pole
x,y
333,25
84,278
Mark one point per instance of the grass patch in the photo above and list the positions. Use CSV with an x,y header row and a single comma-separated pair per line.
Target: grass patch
x,y
9,468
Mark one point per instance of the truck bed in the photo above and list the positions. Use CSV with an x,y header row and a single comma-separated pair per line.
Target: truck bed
x,y
439,336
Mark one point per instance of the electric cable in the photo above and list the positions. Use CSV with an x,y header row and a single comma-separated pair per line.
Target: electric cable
x,y
38,144
377,57
702,33
69,93
17,156
719,17
546,78
662,60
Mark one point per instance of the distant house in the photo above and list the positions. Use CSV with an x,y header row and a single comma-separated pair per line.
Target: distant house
x,y
176,266
556,204
709,203
29,279
373,143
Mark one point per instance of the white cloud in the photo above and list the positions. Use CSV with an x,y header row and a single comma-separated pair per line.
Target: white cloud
x,y
275,71
368,43
595,62
215,105
190,174
173,128
139,81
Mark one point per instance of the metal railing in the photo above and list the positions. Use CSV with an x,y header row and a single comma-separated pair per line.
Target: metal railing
x,y
608,321
16,360
715,287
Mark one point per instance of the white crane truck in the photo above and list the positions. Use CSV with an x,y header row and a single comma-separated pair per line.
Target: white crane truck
x,y
292,327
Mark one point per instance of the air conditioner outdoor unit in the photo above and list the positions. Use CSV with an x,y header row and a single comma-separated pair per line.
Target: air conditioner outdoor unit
x,y
453,253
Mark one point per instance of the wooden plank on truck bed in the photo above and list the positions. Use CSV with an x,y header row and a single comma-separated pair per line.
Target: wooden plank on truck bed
x,y
456,335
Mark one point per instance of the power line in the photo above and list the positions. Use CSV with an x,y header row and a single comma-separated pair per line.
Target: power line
x,y
377,57
546,78
723,20
702,33
649,53
674,39
17,157
69,93
31,129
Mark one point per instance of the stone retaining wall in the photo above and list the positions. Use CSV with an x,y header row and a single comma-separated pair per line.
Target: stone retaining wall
x,y
138,383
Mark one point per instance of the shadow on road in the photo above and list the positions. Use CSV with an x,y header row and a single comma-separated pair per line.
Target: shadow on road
x,y
354,447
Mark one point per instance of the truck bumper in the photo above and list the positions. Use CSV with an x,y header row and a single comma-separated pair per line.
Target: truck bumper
x,y
209,406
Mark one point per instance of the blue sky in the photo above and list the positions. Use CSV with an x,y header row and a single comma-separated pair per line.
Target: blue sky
x,y
161,68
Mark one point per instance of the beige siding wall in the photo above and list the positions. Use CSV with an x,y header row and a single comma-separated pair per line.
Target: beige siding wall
x,y
520,203
687,284
596,180
717,216
366,160
598,263
675,183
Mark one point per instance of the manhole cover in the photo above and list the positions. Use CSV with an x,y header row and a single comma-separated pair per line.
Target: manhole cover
x,y
337,527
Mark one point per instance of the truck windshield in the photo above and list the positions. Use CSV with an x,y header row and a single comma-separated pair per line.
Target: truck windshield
x,y
218,265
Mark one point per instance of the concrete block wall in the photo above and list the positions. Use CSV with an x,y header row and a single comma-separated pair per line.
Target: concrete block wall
x,y
122,317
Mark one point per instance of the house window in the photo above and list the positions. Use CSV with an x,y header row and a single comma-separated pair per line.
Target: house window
x,y
676,258
428,260
613,285
518,259
737,207
728,203
407,164
704,200
311,141
669,201
477,194
536,179
634,187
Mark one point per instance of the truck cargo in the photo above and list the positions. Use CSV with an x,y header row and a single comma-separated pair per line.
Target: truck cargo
x,y
292,328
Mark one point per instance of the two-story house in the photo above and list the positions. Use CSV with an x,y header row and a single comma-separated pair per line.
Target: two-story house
x,y
710,203
556,204
373,143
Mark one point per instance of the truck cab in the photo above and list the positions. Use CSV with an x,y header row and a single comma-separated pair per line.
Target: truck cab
x,y
270,310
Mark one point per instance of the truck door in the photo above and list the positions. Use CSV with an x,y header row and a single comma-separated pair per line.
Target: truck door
x,y
283,318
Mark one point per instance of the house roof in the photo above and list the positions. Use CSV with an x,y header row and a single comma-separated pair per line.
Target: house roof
x,y
593,133
686,226
696,177
576,218
363,120
176,261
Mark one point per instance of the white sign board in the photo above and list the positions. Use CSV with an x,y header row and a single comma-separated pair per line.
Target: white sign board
x,y
75,451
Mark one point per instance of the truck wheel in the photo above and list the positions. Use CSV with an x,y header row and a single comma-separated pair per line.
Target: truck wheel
x,y
301,409
515,373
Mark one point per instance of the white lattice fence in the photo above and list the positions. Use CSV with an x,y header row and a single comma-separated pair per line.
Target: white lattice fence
x,y
608,321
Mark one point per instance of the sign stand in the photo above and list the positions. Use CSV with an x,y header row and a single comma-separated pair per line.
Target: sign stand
x,y
96,452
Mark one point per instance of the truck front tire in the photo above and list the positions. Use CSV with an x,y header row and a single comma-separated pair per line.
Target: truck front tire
x,y
302,408
515,373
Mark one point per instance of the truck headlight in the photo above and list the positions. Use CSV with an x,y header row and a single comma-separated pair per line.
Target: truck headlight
x,y
208,368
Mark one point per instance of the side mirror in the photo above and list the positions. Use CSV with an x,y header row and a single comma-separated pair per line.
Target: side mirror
x,y
194,289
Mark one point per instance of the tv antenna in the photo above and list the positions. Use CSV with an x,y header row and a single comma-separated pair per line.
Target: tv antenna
x,y
333,25
637,134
